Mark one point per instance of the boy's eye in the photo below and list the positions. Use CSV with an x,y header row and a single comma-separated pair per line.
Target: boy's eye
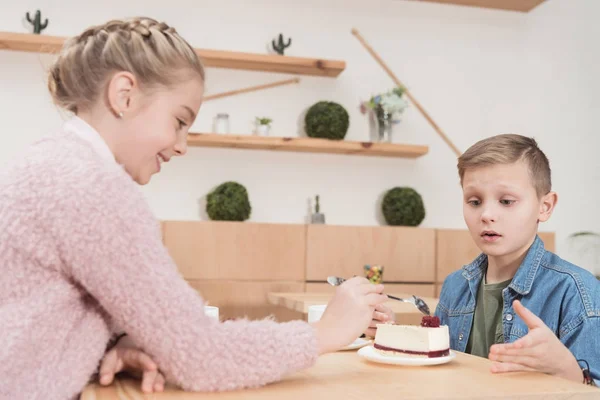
x,y
506,202
181,123
474,202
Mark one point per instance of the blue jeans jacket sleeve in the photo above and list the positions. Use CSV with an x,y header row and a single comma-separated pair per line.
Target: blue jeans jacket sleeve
x,y
584,342
439,311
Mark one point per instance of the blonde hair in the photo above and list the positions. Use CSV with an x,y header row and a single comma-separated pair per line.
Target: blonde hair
x,y
508,149
151,50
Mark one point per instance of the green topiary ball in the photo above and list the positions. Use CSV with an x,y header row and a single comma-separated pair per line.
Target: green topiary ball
x,y
228,202
403,206
327,120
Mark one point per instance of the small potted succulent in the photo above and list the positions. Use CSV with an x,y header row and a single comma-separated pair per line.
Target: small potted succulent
x,y
263,126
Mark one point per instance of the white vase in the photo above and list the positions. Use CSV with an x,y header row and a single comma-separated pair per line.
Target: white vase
x,y
263,130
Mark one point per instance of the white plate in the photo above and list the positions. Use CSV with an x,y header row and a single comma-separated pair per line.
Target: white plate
x,y
371,354
357,344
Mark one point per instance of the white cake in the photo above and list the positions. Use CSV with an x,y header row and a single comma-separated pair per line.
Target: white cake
x,y
428,340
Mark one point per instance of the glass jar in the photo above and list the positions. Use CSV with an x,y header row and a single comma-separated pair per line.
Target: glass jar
x,y
221,123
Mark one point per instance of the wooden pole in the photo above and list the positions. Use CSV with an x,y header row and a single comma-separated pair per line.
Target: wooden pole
x,y
412,99
251,89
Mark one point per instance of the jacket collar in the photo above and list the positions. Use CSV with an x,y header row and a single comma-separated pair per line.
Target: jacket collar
x,y
523,279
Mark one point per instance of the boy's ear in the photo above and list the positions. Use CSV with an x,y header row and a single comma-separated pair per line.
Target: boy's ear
x,y
547,206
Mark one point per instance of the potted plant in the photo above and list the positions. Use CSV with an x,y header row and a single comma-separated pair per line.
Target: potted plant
x,y
228,202
403,206
263,125
327,120
385,109
317,217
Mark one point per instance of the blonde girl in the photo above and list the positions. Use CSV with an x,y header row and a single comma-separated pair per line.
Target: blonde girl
x,y
80,250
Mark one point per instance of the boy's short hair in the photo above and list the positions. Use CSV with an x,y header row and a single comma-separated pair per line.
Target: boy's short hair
x,y
508,149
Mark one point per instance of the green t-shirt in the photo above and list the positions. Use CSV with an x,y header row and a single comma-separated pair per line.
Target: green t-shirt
x,y
487,321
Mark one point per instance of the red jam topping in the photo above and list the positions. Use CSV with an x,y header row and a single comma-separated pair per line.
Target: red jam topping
x,y
430,322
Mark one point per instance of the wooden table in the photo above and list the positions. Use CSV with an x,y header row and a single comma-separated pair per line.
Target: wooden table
x,y
346,376
406,313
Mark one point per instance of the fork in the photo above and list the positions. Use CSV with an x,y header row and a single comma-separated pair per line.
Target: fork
x,y
414,300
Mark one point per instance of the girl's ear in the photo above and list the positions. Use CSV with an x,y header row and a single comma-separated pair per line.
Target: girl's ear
x,y
121,87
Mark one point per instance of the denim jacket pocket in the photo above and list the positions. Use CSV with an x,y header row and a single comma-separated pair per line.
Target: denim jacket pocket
x,y
459,325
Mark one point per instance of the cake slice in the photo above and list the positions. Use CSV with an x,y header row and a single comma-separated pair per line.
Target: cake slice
x,y
428,340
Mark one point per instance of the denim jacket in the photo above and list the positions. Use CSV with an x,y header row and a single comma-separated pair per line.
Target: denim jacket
x,y
564,296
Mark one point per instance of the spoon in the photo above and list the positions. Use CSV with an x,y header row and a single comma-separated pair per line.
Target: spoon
x,y
414,300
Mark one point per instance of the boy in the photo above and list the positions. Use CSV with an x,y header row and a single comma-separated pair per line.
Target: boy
x,y
519,304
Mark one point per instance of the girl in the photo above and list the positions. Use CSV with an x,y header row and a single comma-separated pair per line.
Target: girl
x,y
81,253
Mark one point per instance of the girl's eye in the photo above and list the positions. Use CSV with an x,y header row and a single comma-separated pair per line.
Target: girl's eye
x,y
474,203
181,123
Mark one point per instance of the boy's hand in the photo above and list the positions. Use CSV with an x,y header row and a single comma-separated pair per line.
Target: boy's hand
x,y
381,315
540,350
126,357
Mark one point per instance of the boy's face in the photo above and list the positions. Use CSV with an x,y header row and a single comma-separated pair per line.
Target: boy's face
x,y
502,209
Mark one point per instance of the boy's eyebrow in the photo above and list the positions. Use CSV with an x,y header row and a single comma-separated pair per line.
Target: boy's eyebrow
x,y
189,110
502,185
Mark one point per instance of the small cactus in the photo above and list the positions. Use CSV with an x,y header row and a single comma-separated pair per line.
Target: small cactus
x,y
280,46
317,217
38,26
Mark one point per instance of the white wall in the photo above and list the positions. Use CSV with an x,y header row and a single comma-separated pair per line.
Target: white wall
x,y
478,72
560,104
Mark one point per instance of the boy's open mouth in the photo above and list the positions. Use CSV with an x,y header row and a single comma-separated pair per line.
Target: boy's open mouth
x,y
490,235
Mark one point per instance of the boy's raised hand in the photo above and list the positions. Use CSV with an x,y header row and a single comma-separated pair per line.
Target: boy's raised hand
x,y
540,350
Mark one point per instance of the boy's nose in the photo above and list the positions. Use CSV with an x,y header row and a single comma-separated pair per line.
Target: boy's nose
x,y
488,215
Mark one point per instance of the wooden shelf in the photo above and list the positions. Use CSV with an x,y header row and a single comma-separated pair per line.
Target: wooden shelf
x,y
212,58
306,145
510,5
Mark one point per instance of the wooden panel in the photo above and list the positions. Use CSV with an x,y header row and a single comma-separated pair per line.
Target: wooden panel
x,y
510,5
418,289
306,145
407,254
455,248
234,250
247,299
211,58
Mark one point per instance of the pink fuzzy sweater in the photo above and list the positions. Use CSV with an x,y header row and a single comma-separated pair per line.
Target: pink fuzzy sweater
x,y
81,258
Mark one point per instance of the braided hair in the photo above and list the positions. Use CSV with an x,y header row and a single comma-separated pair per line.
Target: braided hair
x,y
152,51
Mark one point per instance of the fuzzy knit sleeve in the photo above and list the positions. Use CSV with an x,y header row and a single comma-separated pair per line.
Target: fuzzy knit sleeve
x,y
110,244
